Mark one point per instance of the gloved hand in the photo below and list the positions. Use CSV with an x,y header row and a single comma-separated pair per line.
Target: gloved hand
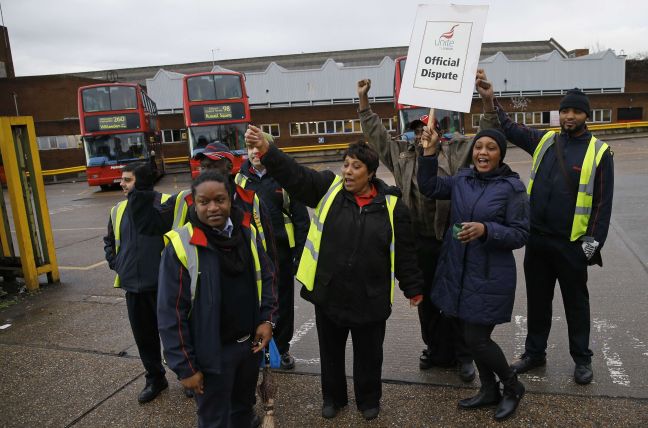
x,y
589,246
144,178
416,300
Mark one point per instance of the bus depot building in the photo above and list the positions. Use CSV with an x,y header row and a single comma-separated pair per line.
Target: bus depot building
x,y
311,99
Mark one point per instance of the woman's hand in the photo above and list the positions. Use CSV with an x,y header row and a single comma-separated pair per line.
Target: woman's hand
x,y
254,138
195,383
262,336
471,231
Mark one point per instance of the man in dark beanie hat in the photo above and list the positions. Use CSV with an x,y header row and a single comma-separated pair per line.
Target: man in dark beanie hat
x,y
575,98
569,222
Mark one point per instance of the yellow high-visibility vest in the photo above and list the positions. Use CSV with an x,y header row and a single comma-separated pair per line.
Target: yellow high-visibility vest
x,y
116,215
242,180
583,208
310,255
188,255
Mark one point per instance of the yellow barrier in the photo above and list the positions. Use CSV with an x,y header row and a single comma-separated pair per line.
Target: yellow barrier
x,y
313,148
179,159
64,170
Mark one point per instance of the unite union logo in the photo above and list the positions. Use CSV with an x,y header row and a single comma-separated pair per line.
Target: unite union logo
x,y
448,35
444,41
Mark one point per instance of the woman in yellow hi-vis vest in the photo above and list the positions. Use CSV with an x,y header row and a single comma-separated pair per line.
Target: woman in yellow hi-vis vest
x,y
359,240
216,304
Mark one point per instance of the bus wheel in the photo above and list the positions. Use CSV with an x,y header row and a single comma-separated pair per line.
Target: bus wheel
x,y
105,187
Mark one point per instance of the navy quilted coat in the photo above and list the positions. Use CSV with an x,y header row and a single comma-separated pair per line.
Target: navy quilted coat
x,y
476,281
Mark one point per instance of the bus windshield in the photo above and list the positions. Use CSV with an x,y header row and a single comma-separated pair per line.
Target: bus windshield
x,y
232,135
112,149
107,98
214,87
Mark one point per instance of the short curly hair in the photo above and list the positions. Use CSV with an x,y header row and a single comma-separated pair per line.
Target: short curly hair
x,y
364,153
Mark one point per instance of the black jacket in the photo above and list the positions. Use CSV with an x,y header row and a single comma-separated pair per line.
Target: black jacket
x,y
352,282
138,258
554,190
190,330
271,193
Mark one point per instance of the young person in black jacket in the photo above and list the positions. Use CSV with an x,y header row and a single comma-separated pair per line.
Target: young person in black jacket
x,y
216,304
359,240
136,258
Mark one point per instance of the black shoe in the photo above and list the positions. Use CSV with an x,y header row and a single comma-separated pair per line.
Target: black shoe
x,y
583,374
513,393
370,414
152,390
188,393
526,363
467,371
329,411
425,362
287,361
487,396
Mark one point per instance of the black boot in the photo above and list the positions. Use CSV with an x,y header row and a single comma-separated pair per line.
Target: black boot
x,y
513,393
488,395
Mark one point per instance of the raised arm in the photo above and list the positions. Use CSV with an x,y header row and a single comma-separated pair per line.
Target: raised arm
x,y
524,137
374,131
302,183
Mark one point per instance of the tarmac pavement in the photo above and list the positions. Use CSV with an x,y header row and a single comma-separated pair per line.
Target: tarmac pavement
x,y
67,356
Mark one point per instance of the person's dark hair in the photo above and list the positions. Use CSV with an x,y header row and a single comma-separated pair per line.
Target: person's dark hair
x,y
130,167
210,176
144,177
364,153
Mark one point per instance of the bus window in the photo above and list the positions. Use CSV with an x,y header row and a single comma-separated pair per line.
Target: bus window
x,y
106,98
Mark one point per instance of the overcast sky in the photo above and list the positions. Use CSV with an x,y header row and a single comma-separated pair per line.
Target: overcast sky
x,y
61,36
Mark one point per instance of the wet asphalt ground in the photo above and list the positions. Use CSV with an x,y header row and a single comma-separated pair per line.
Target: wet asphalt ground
x,y
67,356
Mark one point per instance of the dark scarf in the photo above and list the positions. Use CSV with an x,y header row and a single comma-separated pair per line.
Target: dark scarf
x,y
232,251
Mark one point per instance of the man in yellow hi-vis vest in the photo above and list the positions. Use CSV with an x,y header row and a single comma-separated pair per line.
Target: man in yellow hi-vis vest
x,y
570,188
135,258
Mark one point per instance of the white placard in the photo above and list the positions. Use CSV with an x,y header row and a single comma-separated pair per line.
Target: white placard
x,y
443,56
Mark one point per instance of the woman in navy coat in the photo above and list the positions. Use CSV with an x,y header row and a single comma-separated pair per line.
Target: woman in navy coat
x,y
476,274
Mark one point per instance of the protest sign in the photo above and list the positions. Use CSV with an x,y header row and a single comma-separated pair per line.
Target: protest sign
x,y
443,56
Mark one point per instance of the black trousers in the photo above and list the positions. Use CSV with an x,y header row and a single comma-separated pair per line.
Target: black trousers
x,y
548,259
442,336
489,358
228,398
285,325
367,361
142,314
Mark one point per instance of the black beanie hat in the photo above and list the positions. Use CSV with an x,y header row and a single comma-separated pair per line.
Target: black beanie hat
x,y
577,99
496,135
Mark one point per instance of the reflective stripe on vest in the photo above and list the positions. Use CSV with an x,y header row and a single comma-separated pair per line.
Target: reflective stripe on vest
x,y
188,255
583,208
181,208
310,255
116,215
242,180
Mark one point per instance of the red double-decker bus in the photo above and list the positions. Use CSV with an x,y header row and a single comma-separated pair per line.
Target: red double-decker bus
x,y
449,121
118,125
216,109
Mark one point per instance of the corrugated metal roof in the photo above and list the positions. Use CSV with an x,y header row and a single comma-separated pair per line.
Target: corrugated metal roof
x,y
335,83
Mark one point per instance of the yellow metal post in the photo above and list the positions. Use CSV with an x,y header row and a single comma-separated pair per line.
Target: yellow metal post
x,y
19,159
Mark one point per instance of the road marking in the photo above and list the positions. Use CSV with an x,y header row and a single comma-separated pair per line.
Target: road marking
x,y
302,331
309,361
83,267
639,345
612,359
79,228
